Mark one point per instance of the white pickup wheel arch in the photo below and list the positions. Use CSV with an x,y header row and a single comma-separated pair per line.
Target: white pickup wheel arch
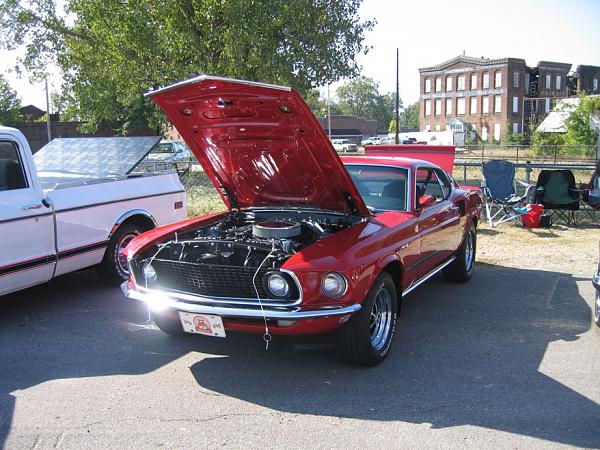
x,y
130,214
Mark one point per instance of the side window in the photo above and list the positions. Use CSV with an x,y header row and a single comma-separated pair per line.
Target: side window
x,y
445,183
428,183
12,175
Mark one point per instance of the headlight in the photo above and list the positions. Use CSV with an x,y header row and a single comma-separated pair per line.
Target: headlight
x,y
334,284
149,273
278,285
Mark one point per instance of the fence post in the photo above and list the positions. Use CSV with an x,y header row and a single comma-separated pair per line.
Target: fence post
x,y
464,173
518,154
528,170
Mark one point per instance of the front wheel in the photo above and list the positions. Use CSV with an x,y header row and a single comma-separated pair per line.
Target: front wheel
x,y
461,269
365,340
597,309
113,269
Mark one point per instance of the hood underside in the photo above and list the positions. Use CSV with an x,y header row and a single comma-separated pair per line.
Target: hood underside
x,y
260,144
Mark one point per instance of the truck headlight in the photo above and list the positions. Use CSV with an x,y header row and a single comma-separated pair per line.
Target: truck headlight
x,y
278,285
149,273
334,284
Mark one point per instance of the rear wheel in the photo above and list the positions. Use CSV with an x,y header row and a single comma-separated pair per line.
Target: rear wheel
x,y
365,340
114,269
461,269
168,324
597,309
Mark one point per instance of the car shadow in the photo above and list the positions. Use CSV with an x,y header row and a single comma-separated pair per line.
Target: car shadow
x,y
463,355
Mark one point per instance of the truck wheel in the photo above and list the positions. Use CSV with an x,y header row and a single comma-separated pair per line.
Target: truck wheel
x,y
365,340
113,268
461,269
597,309
168,325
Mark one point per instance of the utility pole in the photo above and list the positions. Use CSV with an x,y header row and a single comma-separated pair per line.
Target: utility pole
x,y
48,112
397,93
328,114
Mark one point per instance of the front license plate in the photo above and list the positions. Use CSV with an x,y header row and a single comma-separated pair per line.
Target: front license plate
x,y
207,324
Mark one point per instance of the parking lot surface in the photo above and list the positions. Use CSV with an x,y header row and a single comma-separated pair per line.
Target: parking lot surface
x,y
509,360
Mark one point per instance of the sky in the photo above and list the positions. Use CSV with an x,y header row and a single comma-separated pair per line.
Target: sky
x,y
430,32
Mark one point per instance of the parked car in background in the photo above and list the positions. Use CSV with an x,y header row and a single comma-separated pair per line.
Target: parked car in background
x,y
75,204
374,140
310,243
169,155
596,283
344,145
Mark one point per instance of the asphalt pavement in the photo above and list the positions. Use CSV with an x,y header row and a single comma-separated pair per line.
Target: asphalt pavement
x,y
509,360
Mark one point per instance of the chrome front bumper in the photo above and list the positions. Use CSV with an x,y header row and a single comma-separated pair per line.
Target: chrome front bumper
x,y
161,301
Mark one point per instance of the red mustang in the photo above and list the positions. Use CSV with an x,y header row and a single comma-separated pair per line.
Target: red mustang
x,y
310,243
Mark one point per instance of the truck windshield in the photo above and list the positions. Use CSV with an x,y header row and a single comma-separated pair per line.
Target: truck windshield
x,y
382,188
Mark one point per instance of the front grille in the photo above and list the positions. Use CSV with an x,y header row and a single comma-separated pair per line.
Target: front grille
x,y
212,280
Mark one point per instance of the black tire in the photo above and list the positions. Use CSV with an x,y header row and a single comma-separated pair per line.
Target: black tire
x,y
113,270
597,308
168,325
357,342
461,269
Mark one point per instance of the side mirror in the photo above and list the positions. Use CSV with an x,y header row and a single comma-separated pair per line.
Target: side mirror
x,y
426,200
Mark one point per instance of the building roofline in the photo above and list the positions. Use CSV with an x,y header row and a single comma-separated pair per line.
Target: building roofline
x,y
471,60
555,64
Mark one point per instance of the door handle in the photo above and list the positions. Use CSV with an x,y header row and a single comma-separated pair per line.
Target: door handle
x,y
34,206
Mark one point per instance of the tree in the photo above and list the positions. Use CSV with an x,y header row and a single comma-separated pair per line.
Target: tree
x,y
109,51
9,103
360,97
580,130
408,118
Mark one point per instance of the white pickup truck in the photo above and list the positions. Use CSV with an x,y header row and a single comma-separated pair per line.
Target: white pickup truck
x,y
77,204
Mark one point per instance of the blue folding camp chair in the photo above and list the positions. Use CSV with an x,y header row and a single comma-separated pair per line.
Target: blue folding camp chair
x,y
499,187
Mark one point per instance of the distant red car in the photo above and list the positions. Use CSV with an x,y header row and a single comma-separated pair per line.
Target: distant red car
x,y
310,243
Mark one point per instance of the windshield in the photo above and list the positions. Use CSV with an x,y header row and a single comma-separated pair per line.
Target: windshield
x,y
164,148
382,188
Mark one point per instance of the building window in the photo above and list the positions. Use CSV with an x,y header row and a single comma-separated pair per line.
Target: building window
x,y
595,84
473,105
427,127
460,83
515,127
515,79
474,81
515,104
438,107
497,103
448,106
427,107
498,79
437,127
547,106
485,107
558,82
486,80
427,85
438,84
448,83
497,131
484,133
460,106
548,81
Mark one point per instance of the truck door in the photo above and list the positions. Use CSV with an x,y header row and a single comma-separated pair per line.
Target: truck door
x,y
26,225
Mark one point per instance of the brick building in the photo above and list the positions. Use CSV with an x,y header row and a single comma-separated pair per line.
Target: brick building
x,y
489,94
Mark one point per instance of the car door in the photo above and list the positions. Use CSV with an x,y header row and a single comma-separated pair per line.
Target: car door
x,y
439,223
26,224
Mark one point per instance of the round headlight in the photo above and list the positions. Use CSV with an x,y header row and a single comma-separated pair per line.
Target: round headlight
x,y
278,285
149,273
334,284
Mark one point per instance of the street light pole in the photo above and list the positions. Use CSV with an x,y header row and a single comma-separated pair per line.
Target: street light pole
x,y
328,114
397,93
48,112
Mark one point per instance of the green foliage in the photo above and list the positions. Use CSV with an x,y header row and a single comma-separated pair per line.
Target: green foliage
x,y
511,138
408,118
579,123
109,51
361,97
9,103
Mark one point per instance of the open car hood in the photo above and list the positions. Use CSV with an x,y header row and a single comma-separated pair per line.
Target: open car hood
x,y
94,156
260,144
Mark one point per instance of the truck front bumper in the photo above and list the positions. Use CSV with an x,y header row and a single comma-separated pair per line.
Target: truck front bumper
x,y
161,301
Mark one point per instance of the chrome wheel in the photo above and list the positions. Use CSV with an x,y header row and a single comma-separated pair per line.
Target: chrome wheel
x,y
469,252
382,318
597,309
120,257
